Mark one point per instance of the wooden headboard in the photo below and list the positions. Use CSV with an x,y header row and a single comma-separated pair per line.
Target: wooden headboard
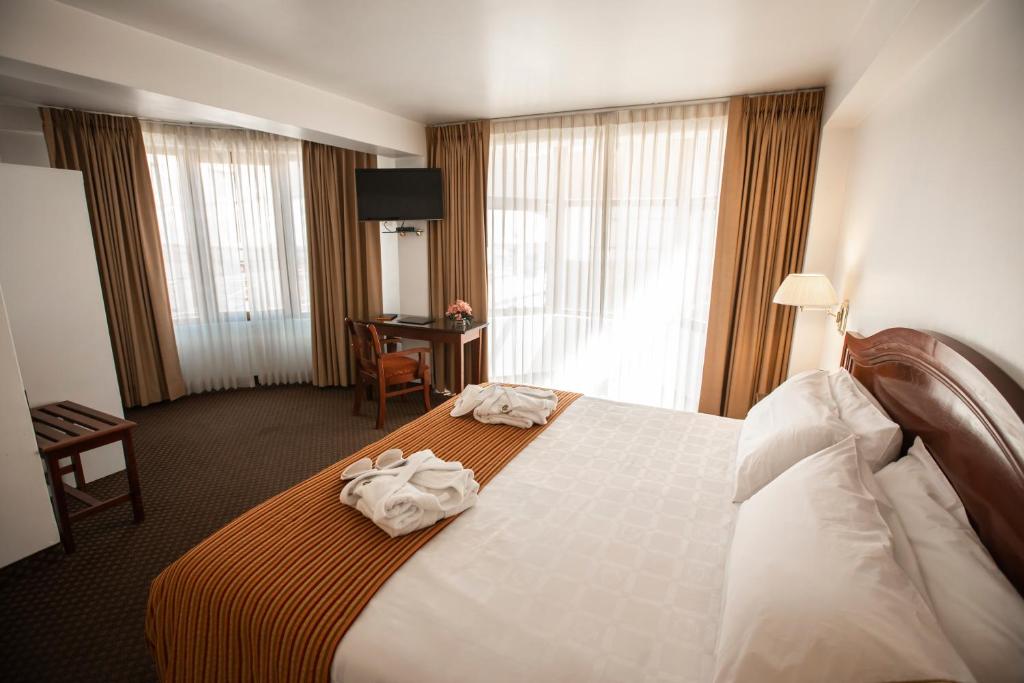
x,y
968,412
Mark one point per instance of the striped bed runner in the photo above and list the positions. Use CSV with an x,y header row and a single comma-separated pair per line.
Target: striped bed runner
x,y
270,596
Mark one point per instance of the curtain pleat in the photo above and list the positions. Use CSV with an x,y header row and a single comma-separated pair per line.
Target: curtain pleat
x,y
601,234
109,152
344,257
233,232
457,244
767,187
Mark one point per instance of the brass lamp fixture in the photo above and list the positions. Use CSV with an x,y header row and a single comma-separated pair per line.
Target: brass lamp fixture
x,y
813,292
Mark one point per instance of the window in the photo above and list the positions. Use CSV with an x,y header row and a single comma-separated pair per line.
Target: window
x,y
601,232
232,221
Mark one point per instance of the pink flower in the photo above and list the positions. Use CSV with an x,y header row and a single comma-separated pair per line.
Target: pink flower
x,y
458,310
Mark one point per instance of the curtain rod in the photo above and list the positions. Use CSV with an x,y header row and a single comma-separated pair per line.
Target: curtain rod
x,y
602,110
194,124
169,122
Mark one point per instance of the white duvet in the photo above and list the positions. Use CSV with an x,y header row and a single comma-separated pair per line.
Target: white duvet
x,y
597,554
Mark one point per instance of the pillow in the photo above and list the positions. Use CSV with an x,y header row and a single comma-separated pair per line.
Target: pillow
x,y
797,419
976,605
813,592
879,439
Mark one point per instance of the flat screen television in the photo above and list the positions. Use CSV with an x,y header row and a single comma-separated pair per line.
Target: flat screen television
x,y
395,194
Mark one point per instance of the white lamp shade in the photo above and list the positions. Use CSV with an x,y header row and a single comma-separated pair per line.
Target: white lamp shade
x,y
809,290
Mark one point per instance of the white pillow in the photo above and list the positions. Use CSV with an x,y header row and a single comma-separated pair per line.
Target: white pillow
x,y
813,592
976,605
797,419
879,439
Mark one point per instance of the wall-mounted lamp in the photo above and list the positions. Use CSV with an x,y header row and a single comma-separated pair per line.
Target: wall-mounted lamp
x,y
814,292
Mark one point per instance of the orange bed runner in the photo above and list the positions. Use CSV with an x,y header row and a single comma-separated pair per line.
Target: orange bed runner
x,y
269,596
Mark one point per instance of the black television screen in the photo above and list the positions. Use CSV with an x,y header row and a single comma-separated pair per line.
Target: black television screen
x,y
394,194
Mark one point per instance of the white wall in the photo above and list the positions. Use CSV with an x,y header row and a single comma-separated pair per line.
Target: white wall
x,y
51,284
415,281
932,233
26,517
390,273
404,263
413,259
26,149
813,328
390,266
21,136
892,38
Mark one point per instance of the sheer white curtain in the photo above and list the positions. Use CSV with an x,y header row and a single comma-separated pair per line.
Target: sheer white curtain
x,y
601,240
233,228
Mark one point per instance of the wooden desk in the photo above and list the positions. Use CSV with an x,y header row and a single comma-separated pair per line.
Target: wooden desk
x,y
444,331
67,429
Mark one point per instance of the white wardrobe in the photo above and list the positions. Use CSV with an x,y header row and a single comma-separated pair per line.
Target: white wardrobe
x,y
26,518
54,342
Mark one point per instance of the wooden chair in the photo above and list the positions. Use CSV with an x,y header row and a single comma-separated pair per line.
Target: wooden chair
x,y
383,370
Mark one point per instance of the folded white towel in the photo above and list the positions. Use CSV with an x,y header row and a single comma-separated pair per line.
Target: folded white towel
x,y
517,406
413,493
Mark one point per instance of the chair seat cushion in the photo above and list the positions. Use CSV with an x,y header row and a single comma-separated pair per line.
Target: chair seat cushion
x,y
399,365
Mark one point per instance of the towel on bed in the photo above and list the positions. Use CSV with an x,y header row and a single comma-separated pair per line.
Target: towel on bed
x,y
413,493
520,407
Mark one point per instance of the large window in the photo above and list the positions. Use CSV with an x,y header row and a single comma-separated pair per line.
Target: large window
x,y
233,231
601,234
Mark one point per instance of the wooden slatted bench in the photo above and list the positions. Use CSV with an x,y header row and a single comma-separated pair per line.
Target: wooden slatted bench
x,y
66,430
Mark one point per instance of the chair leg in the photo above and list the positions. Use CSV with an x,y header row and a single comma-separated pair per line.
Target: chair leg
x,y
138,514
357,404
381,402
426,392
60,503
76,462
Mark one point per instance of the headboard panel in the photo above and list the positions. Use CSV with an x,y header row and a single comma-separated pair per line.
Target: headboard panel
x,y
968,412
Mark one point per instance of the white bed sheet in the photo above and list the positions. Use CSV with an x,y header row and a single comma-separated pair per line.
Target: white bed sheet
x,y
597,554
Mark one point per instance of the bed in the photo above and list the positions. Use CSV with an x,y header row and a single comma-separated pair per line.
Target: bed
x,y
969,412
597,552
559,574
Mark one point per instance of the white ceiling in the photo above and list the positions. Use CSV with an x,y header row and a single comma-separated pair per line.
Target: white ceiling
x,y
447,60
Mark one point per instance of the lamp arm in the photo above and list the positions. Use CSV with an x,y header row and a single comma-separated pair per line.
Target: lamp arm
x,y
840,313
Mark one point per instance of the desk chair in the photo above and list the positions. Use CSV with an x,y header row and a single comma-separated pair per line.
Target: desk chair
x,y
374,367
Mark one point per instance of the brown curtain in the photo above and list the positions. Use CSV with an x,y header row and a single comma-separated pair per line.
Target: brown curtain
x,y
457,244
344,257
768,178
109,152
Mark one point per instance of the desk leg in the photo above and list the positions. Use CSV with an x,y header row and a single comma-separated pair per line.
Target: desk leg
x,y
133,477
474,360
60,502
480,356
460,366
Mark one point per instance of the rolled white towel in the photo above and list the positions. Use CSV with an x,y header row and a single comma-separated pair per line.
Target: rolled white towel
x,y
517,406
469,399
412,494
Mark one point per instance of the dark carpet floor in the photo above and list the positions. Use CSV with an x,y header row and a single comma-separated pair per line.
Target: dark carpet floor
x,y
203,460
